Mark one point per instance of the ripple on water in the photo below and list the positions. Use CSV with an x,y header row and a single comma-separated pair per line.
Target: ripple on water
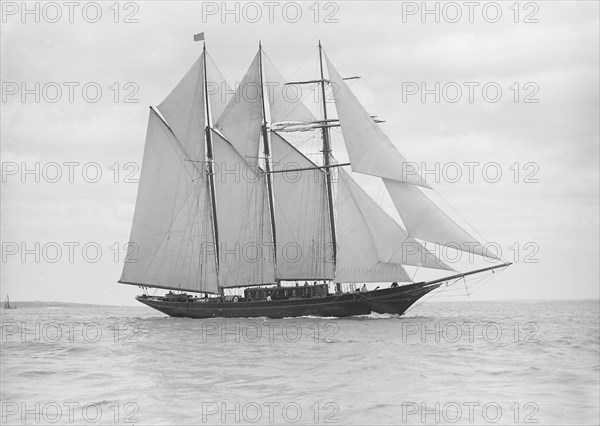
x,y
366,366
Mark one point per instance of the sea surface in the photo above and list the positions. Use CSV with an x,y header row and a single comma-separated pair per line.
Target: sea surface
x,y
524,362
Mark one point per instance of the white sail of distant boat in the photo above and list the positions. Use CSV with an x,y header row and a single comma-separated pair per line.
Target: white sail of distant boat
x,y
225,200
7,304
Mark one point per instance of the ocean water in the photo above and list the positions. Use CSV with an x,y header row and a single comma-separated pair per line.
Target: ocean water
x,y
442,363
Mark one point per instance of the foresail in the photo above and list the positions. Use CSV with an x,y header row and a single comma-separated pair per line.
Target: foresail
x,y
245,242
171,243
369,149
285,101
358,259
304,248
241,121
425,220
392,243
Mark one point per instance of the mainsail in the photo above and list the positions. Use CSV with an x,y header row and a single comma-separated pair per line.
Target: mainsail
x,y
246,256
304,248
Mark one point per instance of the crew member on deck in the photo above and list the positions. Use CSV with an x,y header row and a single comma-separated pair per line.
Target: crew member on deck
x,y
394,284
363,289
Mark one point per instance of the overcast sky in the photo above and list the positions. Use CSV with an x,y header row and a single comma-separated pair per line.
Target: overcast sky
x,y
545,119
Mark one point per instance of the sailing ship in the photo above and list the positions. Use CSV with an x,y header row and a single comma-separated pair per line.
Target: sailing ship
x,y
7,304
230,210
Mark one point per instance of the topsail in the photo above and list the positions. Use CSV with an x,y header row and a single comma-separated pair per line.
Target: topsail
x,y
370,150
284,101
241,120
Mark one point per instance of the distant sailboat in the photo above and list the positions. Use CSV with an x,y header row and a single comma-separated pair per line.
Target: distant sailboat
x,y
7,304
212,213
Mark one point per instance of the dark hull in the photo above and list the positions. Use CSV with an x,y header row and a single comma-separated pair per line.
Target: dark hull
x,y
386,301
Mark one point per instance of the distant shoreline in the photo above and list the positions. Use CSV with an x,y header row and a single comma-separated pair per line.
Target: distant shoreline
x,y
38,304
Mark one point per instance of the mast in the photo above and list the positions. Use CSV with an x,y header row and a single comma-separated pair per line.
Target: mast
x,y
267,152
326,161
211,178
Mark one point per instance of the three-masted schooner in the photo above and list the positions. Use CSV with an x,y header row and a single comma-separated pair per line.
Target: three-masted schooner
x,y
226,201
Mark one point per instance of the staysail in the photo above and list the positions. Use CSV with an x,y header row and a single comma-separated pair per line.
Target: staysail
x,y
370,150
304,249
358,259
171,242
425,220
393,245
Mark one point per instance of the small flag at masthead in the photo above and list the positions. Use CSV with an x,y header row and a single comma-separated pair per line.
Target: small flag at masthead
x,y
199,37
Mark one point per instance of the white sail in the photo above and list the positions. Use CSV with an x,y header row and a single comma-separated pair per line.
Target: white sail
x,y
171,243
304,248
392,243
219,92
357,256
425,220
285,101
184,107
245,242
241,121
369,149
183,110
